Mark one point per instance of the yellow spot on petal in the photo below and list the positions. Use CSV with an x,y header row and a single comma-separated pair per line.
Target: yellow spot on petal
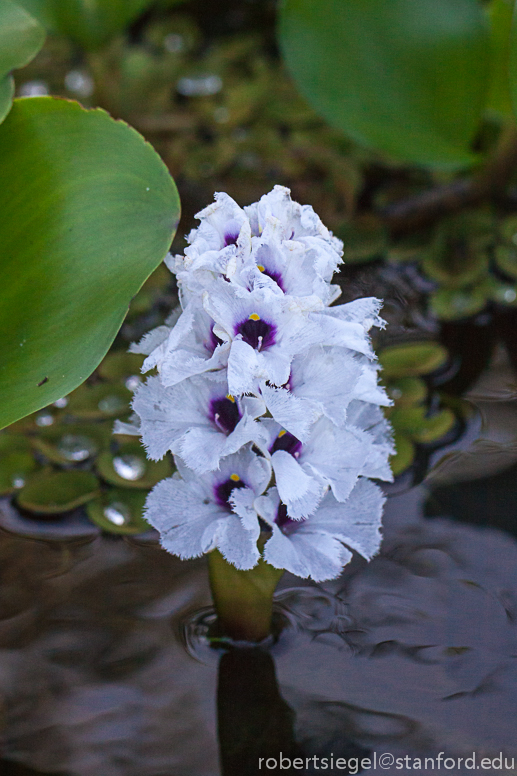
x,y
230,397
261,268
281,434
235,477
254,317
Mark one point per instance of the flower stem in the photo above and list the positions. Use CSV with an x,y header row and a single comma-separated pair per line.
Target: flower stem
x,y
243,599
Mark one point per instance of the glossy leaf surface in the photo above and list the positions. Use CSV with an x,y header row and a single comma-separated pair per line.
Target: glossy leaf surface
x,y
91,23
405,77
21,37
87,211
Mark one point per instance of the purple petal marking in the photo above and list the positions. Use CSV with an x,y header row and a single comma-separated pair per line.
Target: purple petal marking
x,y
288,442
224,490
259,334
225,414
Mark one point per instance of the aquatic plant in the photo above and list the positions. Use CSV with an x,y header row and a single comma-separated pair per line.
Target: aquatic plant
x,y
268,398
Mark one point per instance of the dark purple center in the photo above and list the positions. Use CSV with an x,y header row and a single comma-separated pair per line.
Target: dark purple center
x,y
214,341
223,491
259,334
230,238
225,414
276,276
288,442
282,519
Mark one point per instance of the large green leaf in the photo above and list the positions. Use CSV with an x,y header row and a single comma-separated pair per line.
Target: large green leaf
x,y
21,37
87,211
500,13
405,77
91,23
512,62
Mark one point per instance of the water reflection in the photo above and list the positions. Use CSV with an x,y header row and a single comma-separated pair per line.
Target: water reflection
x,y
412,654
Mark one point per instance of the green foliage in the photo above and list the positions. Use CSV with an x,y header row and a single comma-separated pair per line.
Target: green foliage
x,y
405,77
412,359
500,13
119,511
21,37
87,211
50,492
90,23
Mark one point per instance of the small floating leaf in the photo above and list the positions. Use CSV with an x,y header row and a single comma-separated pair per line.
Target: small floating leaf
x,y
50,492
458,254
412,359
119,511
450,304
129,467
407,391
414,423
21,37
120,365
100,401
15,466
506,259
405,454
72,443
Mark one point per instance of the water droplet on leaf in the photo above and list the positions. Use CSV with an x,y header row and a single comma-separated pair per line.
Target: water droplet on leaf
x,y
129,467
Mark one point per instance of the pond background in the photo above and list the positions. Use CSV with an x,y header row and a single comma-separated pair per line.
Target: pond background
x,y
105,667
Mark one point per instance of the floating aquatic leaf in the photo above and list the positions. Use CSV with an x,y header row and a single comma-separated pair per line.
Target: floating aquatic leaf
x,y
129,467
451,304
100,401
405,454
407,391
416,424
51,492
15,466
119,511
72,443
458,255
412,359
21,37
119,365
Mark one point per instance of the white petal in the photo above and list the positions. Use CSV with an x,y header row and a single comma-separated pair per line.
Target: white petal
x,y
181,517
150,341
294,414
307,553
243,365
299,491
357,522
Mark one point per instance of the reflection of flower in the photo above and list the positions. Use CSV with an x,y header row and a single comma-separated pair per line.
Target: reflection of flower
x,y
258,371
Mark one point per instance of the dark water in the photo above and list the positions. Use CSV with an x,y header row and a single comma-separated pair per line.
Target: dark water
x,y
104,670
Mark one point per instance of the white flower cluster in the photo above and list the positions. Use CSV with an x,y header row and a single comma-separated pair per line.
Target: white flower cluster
x,y
266,395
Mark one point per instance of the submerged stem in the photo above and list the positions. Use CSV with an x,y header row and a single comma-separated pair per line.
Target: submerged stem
x,y
243,599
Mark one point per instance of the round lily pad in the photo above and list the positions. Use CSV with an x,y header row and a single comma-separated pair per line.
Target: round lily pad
x,y
503,293
49,492
121,365
9,443
435,427
100,401
119,511
405,454
506,259
407,391
412,359
15,467
414,423
130,468
452,304
72,443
